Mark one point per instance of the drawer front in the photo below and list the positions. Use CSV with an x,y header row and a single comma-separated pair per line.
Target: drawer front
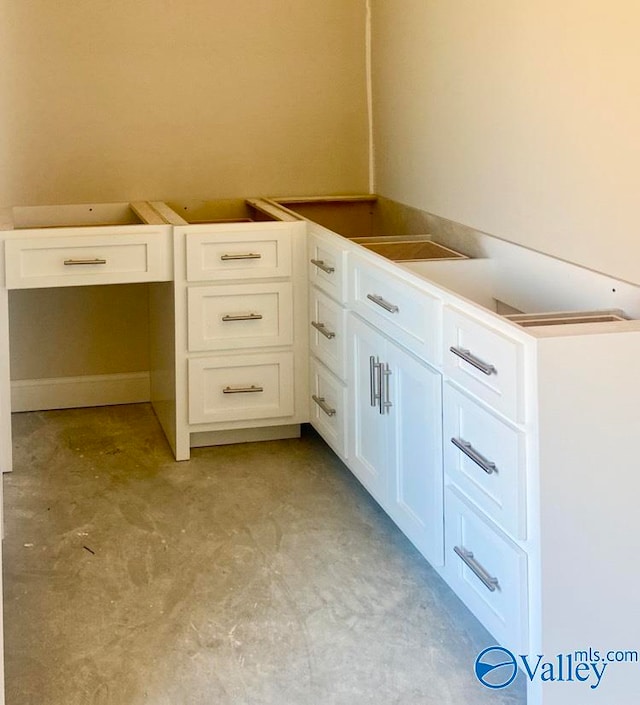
x,y
243,316
237,251
107,257
485,458
409,315
487,571
485,362
328,405
327,327
240,387
327,266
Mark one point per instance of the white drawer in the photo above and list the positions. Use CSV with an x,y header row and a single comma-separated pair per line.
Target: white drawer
x,y
327,265
101,255
328,405
485,458
487,571
485,362
407,314
237,251
228,317
327,324
240,387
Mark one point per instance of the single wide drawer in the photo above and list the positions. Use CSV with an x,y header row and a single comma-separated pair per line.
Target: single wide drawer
x,y
327,328
240,387
327,264
485,362
237,250
328,405
405,313
228,317
107,256
487,571
485,458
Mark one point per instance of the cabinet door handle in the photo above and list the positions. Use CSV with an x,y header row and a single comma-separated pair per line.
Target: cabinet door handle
x,y
476,362
247,255
95,260
320,264
473,454
385,403
374,383
323,329
321,402
243,317
392,308
242,390
485,578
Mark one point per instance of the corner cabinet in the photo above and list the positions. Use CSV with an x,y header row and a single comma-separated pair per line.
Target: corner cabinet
x,y
395,439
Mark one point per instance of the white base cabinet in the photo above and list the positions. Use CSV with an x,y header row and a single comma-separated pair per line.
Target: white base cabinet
x,y
498,384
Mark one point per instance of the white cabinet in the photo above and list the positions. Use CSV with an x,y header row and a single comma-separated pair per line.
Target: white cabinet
x,y
395,436
238,369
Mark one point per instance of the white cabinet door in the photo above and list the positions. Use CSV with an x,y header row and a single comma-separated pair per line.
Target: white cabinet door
x,y
415,493
368,432
395,438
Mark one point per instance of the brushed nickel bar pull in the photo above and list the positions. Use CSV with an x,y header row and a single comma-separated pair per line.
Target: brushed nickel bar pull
x,y
242,390
392,308
473,454
474,361
95,260
248,255
243,317
321,402
374,386
323,329
485,578
320,264
385,373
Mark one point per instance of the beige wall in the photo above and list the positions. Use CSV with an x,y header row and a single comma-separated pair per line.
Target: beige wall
x,y
517,118
109,100
114,100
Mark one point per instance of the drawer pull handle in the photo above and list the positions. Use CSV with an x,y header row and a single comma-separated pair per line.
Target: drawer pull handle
x,y
320,264
385,403
473,454
95,260
321,402
375,381
474,361
243,317
242,390
248,255
392,308
323,329
485,578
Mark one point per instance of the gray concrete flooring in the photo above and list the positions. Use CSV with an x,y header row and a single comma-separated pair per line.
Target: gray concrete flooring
x,y
253,574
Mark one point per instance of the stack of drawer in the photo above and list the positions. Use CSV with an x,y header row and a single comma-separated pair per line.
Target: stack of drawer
x,y
327,326
239,334
485,475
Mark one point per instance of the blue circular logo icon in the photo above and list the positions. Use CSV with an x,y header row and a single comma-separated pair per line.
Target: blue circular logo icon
x,y
496,667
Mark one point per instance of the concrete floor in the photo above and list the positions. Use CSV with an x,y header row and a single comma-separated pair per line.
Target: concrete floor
x,y
254,574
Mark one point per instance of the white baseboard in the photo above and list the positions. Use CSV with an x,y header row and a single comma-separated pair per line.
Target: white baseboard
x,y
72,392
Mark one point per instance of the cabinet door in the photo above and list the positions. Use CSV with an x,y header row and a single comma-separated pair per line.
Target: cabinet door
x,y
415,490
368,442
